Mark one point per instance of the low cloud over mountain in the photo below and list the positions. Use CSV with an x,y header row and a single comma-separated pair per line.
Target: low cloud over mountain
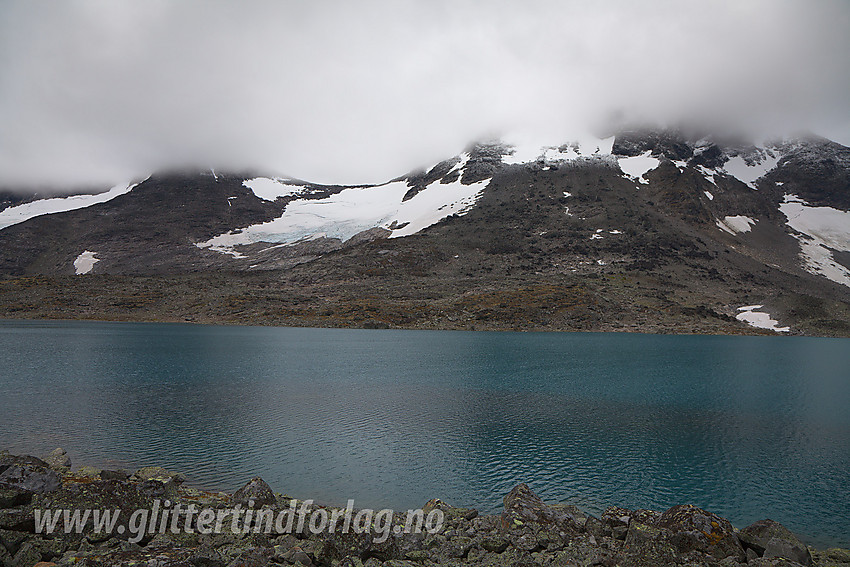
x,y
96,92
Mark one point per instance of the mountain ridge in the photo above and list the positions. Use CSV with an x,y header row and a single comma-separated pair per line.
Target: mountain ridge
x,y
694,230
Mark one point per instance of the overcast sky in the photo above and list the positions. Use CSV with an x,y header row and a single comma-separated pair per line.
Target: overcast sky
x,y
362,91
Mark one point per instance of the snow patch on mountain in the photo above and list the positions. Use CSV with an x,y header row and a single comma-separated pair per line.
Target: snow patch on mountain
x,y
354,210
707,174
85,262
270,189
748,173
736,224
21,213
761,320
525,151
636,167
820,231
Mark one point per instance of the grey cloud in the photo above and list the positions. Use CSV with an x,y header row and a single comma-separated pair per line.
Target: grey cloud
x,y
98,91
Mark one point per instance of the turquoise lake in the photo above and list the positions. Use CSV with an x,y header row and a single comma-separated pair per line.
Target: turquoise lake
x,y
747,427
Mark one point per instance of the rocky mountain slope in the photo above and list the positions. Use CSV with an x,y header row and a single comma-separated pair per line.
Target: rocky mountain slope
x,y
648,230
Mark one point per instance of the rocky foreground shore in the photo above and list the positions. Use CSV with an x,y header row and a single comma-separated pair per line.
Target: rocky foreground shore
x,y
528,532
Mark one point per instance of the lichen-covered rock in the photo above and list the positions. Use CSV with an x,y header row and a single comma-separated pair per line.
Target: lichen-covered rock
x,y
769,534
832,557
10,496
17,519
84,472
7,460
256,492
595,527
647,545
101,495
648,517
772,562
33,478
523,506
119,474
694,529
449,512
58,459
529,533
159,474
494,543
27,556
615,521
785,549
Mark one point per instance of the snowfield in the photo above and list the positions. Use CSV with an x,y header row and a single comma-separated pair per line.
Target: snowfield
x,y
708,174
270,189
636,167
748,174
354,210
735,225
85,262
820,231
525,151
754,318
21,213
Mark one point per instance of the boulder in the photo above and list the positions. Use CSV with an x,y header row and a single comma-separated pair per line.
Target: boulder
x,y
58,460
297,556
494,543
458,547
834,555
34,478
694,529
523,506
27,555
595,527
647,545
114,474
640,534
17,519
785,549
158,473
7,460
10,497
449,512
101,495
648,517
11,541
760,535
86,471
615,521
255,490
774,562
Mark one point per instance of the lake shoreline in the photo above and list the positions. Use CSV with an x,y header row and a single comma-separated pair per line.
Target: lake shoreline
x,y
527,532
369,326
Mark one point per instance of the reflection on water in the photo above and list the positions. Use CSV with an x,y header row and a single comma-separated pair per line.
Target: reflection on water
x,y
748,427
